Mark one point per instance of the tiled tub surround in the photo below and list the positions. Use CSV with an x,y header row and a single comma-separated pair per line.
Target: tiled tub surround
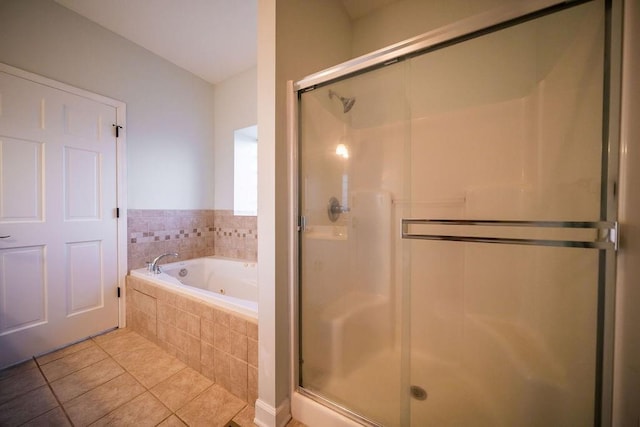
x,y
220,345
190,233
235,236
152,232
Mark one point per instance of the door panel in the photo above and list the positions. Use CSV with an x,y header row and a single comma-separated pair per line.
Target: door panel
x,y
21,161
82,184
22,110
57,203
84,286
23,289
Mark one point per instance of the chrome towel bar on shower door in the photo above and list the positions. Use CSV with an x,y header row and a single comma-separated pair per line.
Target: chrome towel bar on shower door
x,y
605,232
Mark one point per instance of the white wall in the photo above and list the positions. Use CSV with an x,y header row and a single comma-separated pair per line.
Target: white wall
x,y
310,36
627,347
235,107
268,402
307,36
169,110
408,18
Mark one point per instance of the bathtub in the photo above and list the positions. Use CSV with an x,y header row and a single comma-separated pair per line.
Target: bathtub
x,y
223,282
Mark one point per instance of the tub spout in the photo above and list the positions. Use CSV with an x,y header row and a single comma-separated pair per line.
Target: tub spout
x,y
154,267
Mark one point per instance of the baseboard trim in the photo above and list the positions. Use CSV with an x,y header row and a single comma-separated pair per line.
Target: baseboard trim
x,y
268,416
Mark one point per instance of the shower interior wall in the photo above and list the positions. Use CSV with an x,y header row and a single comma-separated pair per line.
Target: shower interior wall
x,y
476,148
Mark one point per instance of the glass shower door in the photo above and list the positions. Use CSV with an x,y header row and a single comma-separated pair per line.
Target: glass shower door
x,y
353,156
457,230
507,241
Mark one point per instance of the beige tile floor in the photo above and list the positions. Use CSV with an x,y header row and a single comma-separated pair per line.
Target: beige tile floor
x,y
117,379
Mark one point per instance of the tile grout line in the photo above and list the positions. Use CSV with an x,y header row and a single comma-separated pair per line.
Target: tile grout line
x,y
146,389
61,349
191,400
109,356
124,403
72,372
197,396
126,371
38,365
236,414
167,418
60,405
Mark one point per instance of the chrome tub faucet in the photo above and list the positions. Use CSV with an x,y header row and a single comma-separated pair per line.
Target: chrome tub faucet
x,y
153,265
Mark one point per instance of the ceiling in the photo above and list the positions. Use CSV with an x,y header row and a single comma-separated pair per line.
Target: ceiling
x,y
213,39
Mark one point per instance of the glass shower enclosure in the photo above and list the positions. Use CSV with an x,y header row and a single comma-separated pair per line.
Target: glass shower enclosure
x,y
456,202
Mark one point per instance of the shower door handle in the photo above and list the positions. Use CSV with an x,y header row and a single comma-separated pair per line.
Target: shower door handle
x,y
5,237
606,232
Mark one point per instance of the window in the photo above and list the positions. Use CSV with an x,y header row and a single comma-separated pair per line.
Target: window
x,y
245,171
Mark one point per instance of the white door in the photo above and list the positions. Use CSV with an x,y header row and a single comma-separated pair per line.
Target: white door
x,y
58,226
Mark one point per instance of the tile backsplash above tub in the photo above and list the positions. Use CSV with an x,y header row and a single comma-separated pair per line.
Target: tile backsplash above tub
x,y
190,233
235,236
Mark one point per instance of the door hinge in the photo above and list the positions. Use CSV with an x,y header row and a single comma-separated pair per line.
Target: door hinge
x,y
117,130
302,223
117,212
118,291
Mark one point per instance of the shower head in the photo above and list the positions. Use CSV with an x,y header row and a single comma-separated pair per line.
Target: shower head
x,y
347,103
